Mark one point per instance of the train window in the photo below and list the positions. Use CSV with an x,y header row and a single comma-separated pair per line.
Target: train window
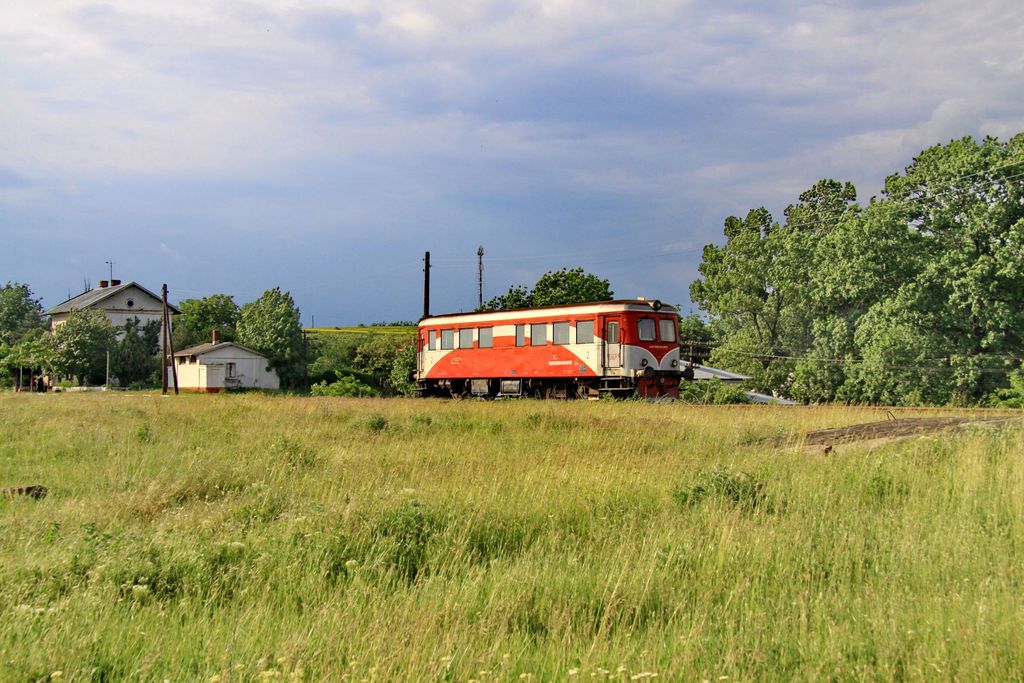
x,y
538,334
466,338
585,332
646,329
612,333
668,329
432,344
560,333
447,339
520,335
485,337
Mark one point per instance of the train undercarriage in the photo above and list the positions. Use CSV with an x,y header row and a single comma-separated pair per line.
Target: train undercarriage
x,y
653,385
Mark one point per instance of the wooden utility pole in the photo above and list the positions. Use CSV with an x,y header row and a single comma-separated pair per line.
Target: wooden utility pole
x,y
426,284
480,273
170,341
164,345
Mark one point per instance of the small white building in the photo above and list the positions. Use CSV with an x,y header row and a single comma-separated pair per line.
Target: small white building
x,y
216,366
119,302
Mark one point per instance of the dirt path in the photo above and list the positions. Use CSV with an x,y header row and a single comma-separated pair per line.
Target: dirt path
x,y
893,429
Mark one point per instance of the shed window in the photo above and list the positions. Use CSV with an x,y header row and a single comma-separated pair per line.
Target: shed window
x,y
560,333
646,329
668,329
538,334
466,338
520,335
447,339
585,332
432,344
485,337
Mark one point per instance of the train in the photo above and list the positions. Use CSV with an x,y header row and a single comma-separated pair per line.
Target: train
x,y
622,348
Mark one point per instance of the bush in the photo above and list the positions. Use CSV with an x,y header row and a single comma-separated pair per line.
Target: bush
x,y
345,386
741,489
712,392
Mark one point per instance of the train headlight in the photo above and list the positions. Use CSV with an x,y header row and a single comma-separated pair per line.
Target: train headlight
x,y
643,363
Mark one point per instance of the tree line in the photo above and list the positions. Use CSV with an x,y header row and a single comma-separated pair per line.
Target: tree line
x,y
912,298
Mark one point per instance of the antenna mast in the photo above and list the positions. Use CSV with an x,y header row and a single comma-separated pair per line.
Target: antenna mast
x,y
480,273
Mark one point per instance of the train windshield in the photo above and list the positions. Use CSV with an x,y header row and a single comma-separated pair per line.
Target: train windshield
x,y
668,329
646,329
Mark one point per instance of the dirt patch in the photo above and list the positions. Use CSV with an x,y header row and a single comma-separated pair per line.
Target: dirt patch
x,y
884,431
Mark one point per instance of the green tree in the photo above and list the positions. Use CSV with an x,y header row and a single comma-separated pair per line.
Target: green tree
x,y
81,346
136,358
553,288
270,325
199,317
914,298
20,313
33,354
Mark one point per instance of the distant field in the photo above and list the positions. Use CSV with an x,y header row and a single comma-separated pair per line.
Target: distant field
x,y
407,330
245,537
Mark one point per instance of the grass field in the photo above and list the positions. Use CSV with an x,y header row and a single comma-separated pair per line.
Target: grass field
x,y
247,537
400,330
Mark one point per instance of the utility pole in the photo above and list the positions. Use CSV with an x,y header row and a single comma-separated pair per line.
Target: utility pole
x,y
426,284
480,273
164,344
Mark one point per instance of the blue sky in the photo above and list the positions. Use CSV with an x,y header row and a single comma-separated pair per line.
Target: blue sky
x,y
324,146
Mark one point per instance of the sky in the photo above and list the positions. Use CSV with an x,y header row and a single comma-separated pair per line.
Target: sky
x,y
322,147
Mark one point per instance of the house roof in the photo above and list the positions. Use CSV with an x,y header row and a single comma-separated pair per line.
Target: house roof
x,y
94,296
200,349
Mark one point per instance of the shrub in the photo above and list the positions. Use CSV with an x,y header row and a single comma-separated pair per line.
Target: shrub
x,y
345,386
740,489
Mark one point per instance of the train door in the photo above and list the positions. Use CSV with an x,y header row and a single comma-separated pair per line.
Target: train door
x,y
421,347
612,344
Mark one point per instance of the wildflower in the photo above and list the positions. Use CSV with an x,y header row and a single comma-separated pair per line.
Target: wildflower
x,y
574,672
56,674
350,564
282,660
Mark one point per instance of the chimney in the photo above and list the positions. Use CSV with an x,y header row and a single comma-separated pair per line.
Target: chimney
x,y
103,284
115,283
213,336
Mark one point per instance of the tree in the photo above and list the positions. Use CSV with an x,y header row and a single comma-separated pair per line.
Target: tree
x,y
199,317
556,287
19,312
914,298
33,352
81,346
136,357
270,325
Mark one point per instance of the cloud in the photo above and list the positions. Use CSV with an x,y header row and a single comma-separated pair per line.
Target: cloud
x,y
549,130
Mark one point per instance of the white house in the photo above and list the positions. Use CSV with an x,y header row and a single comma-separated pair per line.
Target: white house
x,y
120,302
216,366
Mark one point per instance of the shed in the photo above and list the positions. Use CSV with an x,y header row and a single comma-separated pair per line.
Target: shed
x,y
215,366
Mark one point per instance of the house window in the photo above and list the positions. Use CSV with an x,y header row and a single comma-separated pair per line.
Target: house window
x,y
485,337
520,335
231,369
466,339
668,329
538,334
447,339
585,332
432,344
560,333
646,329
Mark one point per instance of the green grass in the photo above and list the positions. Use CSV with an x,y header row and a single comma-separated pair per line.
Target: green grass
x,y
402,330
248,537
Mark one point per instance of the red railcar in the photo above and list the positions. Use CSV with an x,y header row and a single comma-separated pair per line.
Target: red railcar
x,y
623,347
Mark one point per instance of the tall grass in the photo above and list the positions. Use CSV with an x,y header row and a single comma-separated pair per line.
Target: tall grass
x,y
248,537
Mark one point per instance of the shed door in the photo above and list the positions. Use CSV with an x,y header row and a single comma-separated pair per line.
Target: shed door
x,y
612,345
